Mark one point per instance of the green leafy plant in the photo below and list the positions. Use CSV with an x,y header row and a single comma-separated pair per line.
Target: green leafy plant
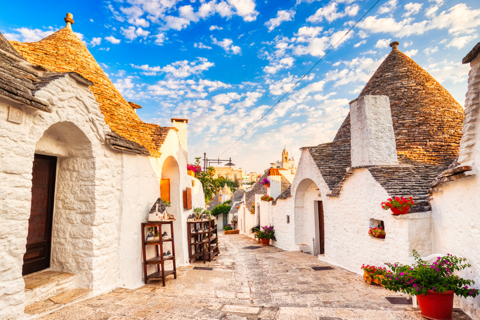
x,y
227,227
252,209
221,208
167,203
377,232
197,212
422,277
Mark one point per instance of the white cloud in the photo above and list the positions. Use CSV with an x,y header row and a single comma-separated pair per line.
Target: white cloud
x,y
412,8
139,22
282,15
95,41
278,65
461,42
160,38
452,71
429,51
28,35
459,19
411,53
360,43
175,23
227,45
215,28
129,33
390,6
201,46
179,69
112,39
383,43
245,9
330,12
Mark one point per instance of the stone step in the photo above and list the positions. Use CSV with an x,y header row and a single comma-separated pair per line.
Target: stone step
x,y
55,303
45,284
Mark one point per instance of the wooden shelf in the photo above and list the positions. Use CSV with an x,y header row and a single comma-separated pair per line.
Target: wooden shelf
x,y
158,275
158,260
202,245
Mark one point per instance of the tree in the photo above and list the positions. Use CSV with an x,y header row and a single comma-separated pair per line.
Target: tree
x,y
236,184
221,208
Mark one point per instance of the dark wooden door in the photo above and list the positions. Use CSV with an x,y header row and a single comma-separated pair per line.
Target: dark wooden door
x,y
321,227
39,239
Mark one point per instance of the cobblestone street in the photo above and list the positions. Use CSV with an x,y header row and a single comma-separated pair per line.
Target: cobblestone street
x,y
260,283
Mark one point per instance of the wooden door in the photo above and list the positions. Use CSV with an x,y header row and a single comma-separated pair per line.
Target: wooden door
x,y
321,227
39,239
165,189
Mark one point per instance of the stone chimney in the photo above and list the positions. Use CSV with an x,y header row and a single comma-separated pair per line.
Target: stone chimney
x,y
181,126
373,139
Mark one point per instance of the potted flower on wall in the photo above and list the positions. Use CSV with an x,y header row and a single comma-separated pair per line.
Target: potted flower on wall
x,y
434,284
373,274
398,205
377,232
266,198
267,234
265,182
252,209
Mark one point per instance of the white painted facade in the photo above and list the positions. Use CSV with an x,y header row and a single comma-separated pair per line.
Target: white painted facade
x,y
101,195
456,212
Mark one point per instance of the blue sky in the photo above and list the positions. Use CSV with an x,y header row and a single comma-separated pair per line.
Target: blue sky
x,y
223,63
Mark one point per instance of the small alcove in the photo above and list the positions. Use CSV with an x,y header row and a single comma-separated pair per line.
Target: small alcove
x,y
374,223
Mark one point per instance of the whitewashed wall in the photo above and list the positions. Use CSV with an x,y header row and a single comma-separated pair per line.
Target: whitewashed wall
x,y
284,232
456,209
101,197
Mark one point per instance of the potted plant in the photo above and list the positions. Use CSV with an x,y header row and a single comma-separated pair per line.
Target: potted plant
x,y
377,232
266,198
252,210
373,274
255,231
434,284
198,213
227,227
398,205
234,221
208,213
265,182
267,234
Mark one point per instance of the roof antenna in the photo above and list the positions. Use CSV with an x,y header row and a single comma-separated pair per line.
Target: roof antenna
x,y
69,20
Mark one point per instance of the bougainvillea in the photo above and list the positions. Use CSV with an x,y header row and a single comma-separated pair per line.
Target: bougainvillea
x,y
265,181
194,168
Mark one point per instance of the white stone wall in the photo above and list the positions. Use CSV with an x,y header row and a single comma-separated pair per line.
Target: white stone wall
x,y
456,210
373,140
101,196
284,232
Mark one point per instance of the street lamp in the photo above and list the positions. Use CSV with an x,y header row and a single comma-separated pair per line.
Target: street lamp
x,y
207,162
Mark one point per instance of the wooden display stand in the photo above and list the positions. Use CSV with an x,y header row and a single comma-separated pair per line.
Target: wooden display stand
x,y
158,260
203,240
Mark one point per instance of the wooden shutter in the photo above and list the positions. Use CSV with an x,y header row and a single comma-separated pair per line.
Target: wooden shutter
x,y
187,199
165,189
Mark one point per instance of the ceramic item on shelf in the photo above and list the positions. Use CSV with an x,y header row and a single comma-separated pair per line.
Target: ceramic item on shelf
x,y
169,254
150,236
165,255
165,235
158,211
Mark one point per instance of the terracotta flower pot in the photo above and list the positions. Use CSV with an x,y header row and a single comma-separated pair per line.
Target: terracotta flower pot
x,y
265,241
397,211
380,236
267,185
191,173
436,305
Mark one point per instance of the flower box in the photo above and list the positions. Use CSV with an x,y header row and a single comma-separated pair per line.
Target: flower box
x,y
377,233
398,205
231,231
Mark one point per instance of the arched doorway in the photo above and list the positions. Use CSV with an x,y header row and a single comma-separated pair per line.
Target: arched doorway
x,y
170,191
63,206
309,217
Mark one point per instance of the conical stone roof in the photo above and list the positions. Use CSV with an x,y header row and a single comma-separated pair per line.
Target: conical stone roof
x,y
427,120
63,51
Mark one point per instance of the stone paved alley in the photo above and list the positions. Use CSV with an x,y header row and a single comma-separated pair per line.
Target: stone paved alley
x,y
263,283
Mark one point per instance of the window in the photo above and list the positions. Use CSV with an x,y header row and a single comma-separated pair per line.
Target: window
x,y
288,219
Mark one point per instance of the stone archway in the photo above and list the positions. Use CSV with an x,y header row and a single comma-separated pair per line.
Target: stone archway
x,y
74,206
171,172
309,216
